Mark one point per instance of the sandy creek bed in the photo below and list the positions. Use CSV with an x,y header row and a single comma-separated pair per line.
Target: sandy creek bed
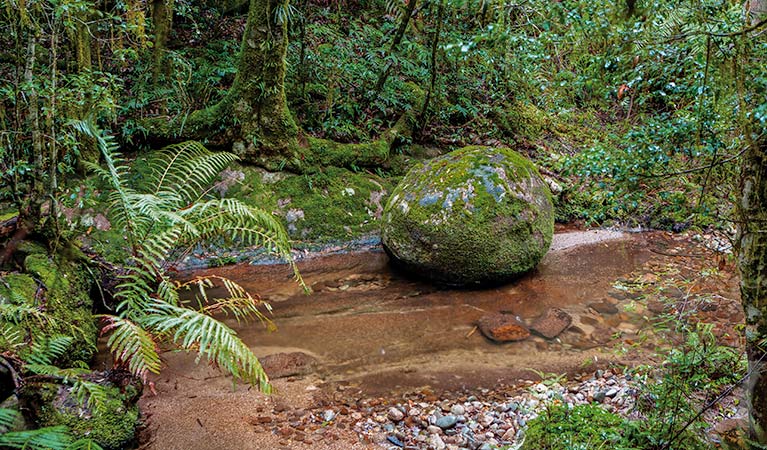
x,y
377,334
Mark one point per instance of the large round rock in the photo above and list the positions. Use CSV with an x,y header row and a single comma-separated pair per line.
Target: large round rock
x,y
476,215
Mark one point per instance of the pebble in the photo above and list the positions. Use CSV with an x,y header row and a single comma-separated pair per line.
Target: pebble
x,y
436,442
433,429
600,396
395,415
446,422
457,410
329,415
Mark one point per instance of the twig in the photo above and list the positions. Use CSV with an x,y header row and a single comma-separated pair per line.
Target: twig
x,y
14,375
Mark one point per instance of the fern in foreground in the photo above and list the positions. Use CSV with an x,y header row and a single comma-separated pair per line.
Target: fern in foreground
x,y
48,438
166,212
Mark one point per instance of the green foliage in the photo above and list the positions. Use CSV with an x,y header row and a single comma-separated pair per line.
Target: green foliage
x,y
165,211
583,427
694,373
46,438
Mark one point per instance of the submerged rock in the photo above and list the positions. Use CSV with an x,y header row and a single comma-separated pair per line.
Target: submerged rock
x,y
503,328
281,365
552,323
476,215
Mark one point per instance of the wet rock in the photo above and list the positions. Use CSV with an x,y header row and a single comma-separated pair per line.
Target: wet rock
x,y
458,410
656,306
446,422
503,328
281,365
476,215
602,334
436,442
604,307
395,441
600,396
552,323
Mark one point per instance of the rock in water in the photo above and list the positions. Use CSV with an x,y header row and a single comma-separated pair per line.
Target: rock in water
x,y
552,323
503,328
281,365
476,215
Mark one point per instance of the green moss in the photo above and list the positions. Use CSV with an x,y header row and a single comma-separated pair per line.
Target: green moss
x,y
112,426
475,215
323,206
60,289
324,153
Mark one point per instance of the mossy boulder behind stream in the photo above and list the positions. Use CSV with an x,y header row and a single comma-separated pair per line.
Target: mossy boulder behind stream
x,y
476,215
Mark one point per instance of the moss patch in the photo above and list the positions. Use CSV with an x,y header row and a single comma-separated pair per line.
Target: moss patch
x,y
112,426
325,206
59,289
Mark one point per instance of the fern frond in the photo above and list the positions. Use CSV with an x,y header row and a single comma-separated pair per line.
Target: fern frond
x,y
249,225
185,170
219,344
49,438
133,345
7,418
84,444
239,303
116,172
18,313
45,351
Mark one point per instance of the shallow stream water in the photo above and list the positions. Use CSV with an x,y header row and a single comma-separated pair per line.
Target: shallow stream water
x,y
373,327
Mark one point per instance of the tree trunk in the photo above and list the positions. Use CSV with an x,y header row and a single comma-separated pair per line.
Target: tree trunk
x,y
162,21
254,113
752,249
752,262
257,97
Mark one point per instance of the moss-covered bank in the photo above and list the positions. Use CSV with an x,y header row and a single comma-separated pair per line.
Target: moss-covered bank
x,y
50,297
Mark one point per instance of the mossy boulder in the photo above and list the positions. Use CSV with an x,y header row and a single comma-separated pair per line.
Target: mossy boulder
x,y
476,215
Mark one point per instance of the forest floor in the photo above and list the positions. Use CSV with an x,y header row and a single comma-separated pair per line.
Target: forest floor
x,y
374,359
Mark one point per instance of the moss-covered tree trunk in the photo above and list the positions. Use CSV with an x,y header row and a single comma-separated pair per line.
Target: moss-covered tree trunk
x,y
257,98
752,261
162,21
254,114
752,238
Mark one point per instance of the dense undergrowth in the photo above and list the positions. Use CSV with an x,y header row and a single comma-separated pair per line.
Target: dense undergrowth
x,y
627,108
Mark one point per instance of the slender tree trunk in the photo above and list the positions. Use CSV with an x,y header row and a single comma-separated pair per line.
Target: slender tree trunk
x,y
434,71
752,261
395,43
752,245
162,20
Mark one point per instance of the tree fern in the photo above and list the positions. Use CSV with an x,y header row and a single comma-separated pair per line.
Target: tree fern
x,y
166,212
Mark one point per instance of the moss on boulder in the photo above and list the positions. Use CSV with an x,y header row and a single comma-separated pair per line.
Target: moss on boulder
x,y
476,215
